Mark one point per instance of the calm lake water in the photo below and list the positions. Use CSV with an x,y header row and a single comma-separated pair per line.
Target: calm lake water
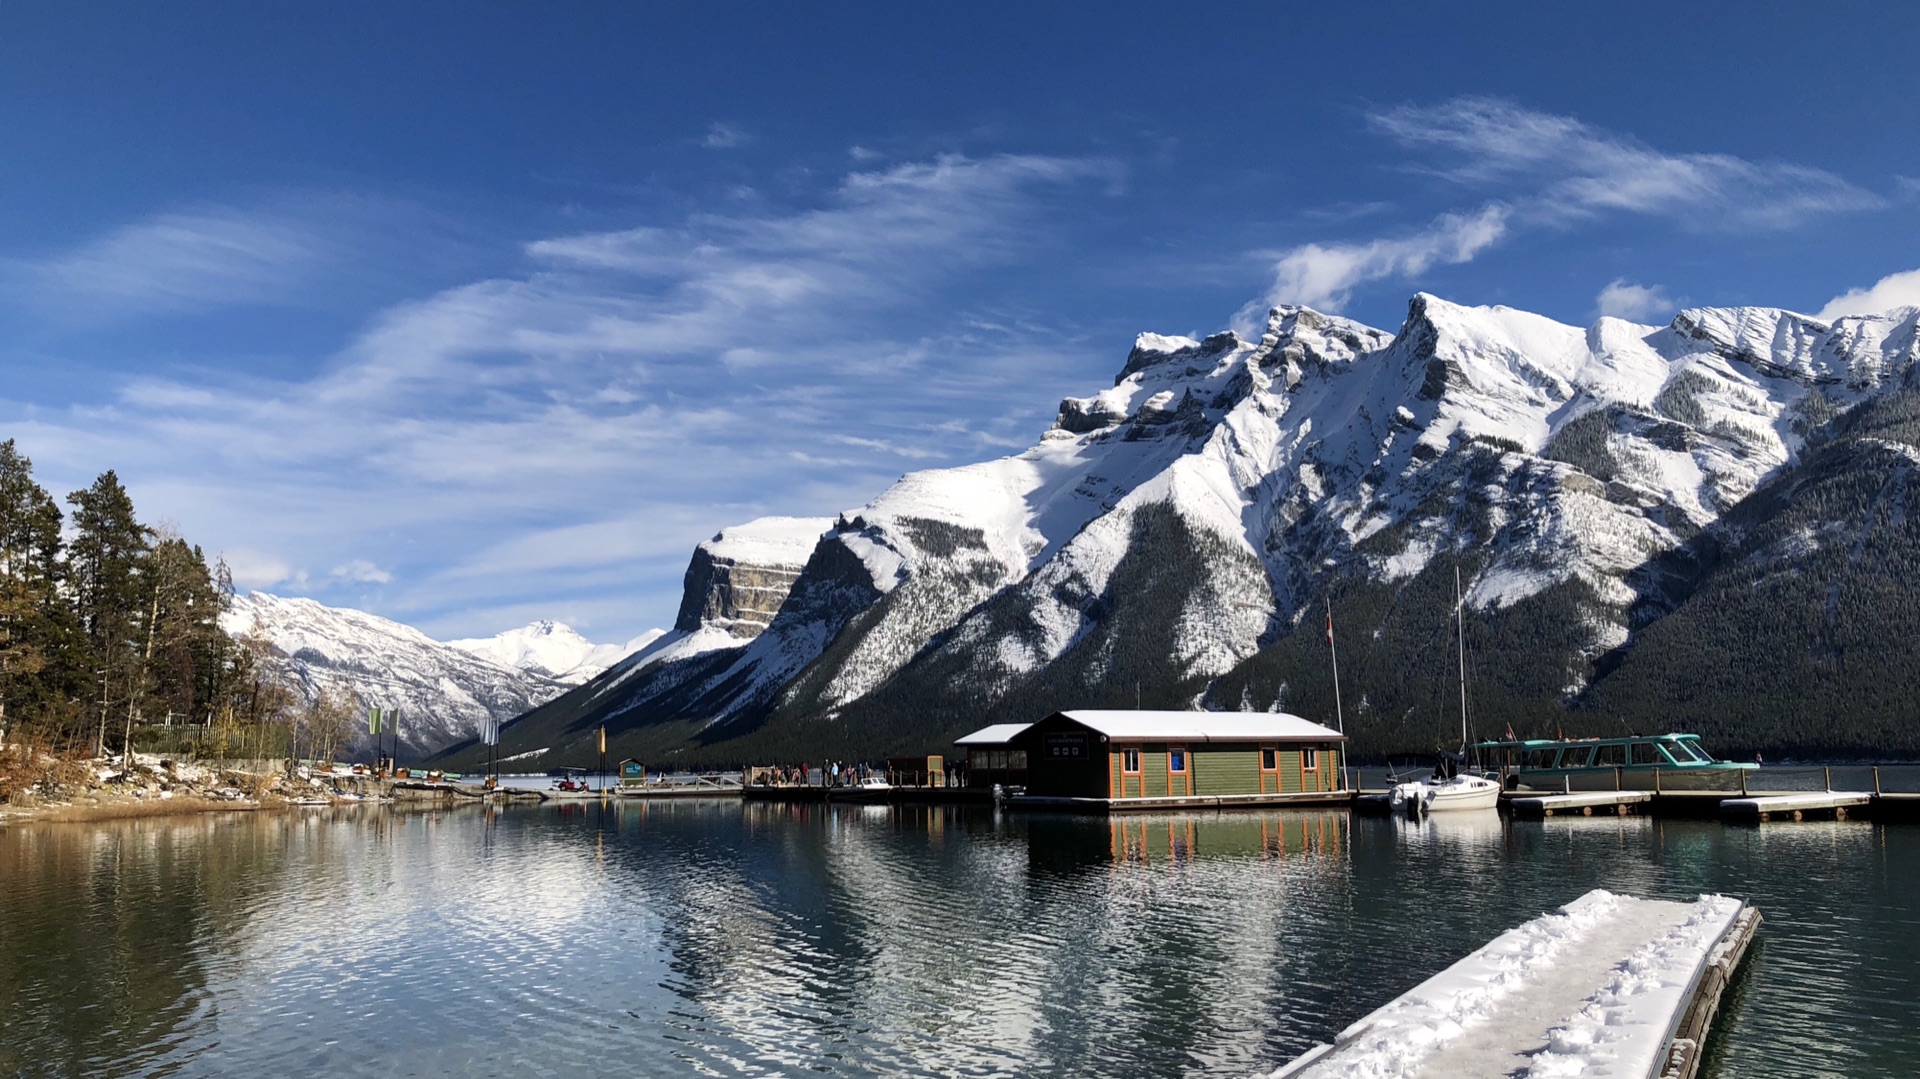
x,y
720,939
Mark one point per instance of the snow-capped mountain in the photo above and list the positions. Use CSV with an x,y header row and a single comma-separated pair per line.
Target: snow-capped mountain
x,y
1169,534
444,691
554,650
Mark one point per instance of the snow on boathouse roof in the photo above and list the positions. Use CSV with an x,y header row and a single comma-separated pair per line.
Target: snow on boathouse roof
x,y
997,735
1203,726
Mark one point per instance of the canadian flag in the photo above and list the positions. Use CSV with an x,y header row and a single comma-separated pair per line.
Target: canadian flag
x,y
1329,629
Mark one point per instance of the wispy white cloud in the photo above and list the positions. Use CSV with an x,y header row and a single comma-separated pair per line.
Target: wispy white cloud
x,y
724,137
1325,275
183,261
1567,168
1635,303
1534,169
1894,290
361,571
570,432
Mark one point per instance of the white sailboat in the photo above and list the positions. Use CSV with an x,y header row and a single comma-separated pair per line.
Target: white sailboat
x,y
1443,792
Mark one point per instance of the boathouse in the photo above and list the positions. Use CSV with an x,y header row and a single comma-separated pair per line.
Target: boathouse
x,y
1103,760
991,760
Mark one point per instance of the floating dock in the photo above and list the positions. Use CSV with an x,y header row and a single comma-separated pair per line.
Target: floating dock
x,y
1606,985
1798,806
1585,803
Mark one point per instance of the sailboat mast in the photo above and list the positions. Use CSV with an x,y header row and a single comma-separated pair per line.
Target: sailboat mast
x,y
1460,634
1339,720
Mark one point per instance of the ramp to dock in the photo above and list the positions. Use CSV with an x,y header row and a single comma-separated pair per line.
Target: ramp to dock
x,y
1605,985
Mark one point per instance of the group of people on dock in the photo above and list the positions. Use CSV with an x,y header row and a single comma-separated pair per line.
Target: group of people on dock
x,y
830,774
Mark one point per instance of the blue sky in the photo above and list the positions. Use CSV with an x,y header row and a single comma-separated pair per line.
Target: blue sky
x,y
468,314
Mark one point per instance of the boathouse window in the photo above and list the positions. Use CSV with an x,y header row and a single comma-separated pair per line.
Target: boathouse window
x,y
1176,760
1130,761
1309,759
1269,759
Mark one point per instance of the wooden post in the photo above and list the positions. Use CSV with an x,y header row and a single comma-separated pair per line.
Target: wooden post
x,y
1743,782
1656,780
1876,781
1616,777
1827,774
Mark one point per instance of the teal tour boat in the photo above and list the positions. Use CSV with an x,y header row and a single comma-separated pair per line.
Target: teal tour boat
x,y
1597,763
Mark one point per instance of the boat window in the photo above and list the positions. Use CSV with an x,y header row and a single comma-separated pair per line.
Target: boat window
x,y
1577,757
1269,759
1540,758
1691,750
1309,759
1647,753
1613,756
1130,760
1176,760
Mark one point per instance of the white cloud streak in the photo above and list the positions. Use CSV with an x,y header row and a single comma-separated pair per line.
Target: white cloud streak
x,y
183,261
1324,276
1540,170
1570,169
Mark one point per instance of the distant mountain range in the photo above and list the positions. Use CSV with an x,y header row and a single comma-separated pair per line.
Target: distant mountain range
x,y
1703,526
445,691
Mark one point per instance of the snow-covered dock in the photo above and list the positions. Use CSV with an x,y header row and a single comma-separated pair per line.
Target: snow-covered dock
x,y
1607,985
1584,802
1796,806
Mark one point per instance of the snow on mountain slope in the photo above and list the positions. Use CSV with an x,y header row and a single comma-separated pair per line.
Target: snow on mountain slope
x,y
553,649
445,692
1238,482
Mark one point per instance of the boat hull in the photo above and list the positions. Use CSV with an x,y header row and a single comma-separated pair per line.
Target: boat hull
x,y
1461,794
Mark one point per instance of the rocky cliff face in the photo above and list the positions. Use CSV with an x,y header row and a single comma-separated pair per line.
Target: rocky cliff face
x,y
1173,534
737,580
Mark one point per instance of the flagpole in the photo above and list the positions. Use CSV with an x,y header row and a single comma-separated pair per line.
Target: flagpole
x,y
1339,716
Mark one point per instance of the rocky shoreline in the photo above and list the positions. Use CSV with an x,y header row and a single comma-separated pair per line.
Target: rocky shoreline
x,y
44,788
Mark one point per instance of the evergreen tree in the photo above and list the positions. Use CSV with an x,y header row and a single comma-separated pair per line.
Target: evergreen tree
x,y
106,562
37,647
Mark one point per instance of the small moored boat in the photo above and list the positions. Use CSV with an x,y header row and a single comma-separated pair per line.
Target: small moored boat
x,y
1450,789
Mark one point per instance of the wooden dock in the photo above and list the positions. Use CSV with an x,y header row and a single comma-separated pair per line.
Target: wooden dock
x,y
1607,984
1796,806
1583,803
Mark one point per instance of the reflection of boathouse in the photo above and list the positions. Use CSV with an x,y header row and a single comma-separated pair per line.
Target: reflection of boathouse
x,y
1141,760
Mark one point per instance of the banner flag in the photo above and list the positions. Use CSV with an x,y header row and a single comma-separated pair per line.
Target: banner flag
x,y
373,720
393,722
603,740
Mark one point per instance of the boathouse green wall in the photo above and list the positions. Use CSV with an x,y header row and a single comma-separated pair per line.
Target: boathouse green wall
x,y
1068,759
1218,768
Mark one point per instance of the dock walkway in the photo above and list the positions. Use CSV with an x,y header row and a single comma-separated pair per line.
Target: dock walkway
x,y
1608,984
1583,802
1797,805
